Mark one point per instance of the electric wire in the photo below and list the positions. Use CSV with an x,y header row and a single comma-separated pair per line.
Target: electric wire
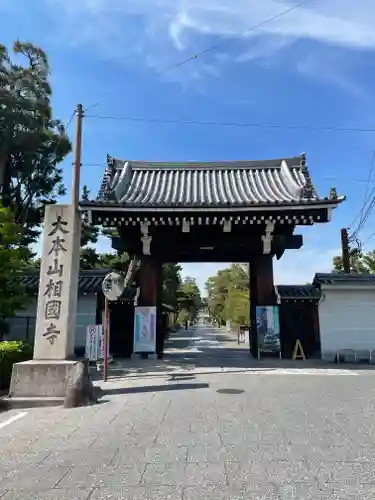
x,y
232,124
253,28
365,200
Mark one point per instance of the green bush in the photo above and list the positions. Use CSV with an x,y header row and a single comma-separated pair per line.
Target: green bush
x,y
12,352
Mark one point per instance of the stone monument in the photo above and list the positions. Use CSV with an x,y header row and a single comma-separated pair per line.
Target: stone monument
x,y
43,380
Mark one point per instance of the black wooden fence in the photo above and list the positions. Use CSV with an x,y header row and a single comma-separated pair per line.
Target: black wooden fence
x,y
19,328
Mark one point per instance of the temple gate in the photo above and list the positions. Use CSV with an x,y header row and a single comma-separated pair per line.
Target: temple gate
x,y
235,211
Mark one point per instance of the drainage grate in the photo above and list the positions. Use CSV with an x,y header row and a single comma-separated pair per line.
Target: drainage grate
x,y
230,391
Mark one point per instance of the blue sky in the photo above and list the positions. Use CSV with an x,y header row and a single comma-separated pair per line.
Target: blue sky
x,y
314,66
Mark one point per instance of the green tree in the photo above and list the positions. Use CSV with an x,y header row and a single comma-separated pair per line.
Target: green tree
x,y
171,276
89,259
228,295
14,261
89,232
32,143
359,262
189,299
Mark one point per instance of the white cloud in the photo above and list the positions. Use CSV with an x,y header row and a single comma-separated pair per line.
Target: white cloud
x,y
161,30
334,71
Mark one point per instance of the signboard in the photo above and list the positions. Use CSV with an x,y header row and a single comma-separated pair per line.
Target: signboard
x,y
92,342
144,329
268,328
95,343
113,286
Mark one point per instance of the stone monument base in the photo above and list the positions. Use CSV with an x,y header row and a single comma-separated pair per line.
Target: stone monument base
x,y
39,383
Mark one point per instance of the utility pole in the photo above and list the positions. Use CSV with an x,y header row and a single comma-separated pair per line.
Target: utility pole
x,y
77,156
345,250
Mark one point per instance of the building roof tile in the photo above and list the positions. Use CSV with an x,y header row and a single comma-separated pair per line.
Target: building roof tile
x,y
208,184
344,279
294,292
89,282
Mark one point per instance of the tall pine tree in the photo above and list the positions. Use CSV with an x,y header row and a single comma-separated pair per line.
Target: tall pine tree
x,y
32,143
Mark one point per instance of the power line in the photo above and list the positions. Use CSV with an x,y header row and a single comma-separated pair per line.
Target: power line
x,y
215,46
232,124
253,28
365,198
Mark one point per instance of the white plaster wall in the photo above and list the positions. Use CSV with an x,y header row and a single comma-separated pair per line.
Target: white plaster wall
x,y
347,321
86,315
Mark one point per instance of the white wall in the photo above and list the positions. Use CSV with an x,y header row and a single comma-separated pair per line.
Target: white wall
x,y
86,315
347,321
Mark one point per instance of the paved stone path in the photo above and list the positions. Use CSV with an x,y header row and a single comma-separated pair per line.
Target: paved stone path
x,y
200,431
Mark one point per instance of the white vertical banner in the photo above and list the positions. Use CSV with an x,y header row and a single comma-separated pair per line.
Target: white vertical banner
x,y
144,329
92,342
95,343
101,342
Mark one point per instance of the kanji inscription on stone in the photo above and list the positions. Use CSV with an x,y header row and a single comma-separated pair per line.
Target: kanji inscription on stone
x,y
57,246
59,225
52,309
56,268
53,288
51,333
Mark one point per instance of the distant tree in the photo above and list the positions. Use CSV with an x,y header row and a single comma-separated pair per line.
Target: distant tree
x,y
89,232
228,295
32,143
14,261
359,262
171,284
189,299
89,259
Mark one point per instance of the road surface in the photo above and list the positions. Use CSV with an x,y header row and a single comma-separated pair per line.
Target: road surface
x,y
189,428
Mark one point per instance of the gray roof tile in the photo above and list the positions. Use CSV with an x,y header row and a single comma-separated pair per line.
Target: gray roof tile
x,y
90,282
210,184
304,292
344,279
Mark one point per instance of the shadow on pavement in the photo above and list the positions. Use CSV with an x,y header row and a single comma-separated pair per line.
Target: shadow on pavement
x,y
155,388
184,356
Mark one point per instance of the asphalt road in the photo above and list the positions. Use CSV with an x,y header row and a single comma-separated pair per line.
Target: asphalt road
x,y
194,430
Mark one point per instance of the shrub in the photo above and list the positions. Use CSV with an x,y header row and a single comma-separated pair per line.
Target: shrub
x,y
12,352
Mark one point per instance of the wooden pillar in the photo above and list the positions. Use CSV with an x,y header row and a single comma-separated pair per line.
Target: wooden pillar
x,y
262,293
148,282
150,277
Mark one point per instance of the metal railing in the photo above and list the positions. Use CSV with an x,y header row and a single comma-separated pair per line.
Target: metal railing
x,y
339,351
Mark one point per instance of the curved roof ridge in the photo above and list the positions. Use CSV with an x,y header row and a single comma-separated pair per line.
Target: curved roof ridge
x,y
256,164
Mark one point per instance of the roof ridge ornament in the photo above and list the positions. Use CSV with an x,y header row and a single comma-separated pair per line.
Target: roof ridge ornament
x,y
105,190
308,190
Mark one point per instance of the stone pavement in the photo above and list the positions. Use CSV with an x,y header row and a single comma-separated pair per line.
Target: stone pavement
x,y
247,434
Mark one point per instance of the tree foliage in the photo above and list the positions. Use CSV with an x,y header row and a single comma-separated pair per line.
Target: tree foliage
x,y
228,295
171,284
89,232
360,262
189,300
14,261
32,143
